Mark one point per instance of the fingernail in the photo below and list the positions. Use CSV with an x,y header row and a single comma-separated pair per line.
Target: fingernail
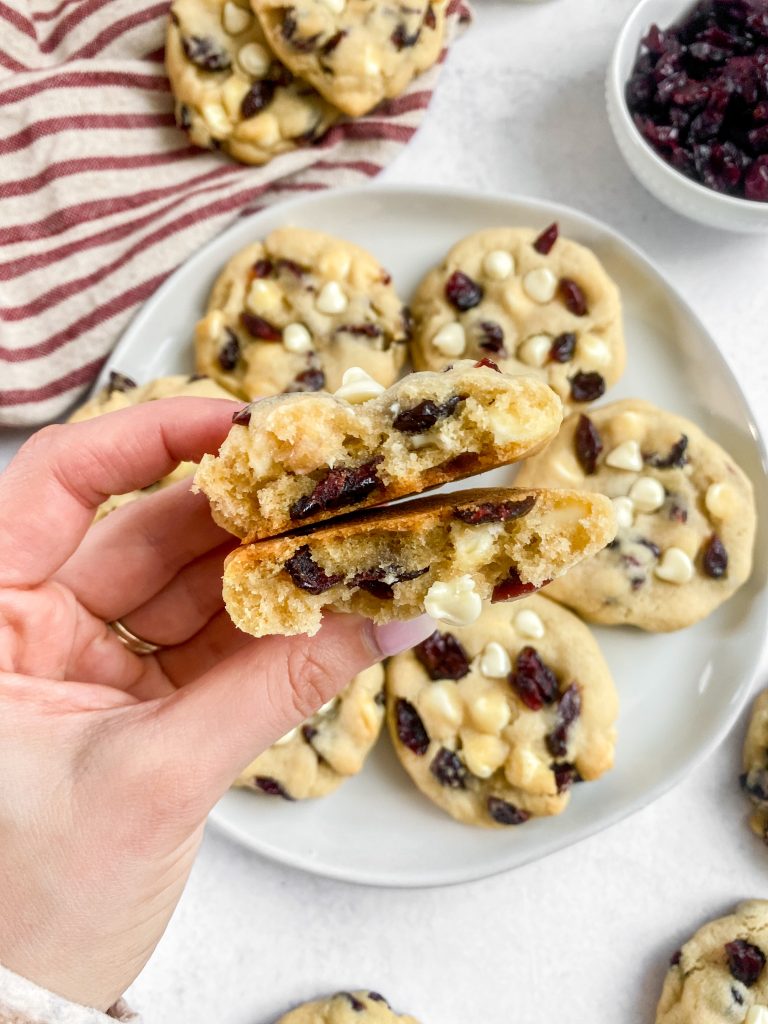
x,y
394,637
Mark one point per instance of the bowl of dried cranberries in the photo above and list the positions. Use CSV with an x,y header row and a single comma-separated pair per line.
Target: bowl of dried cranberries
x,y
687,97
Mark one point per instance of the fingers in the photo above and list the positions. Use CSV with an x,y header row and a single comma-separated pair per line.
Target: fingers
x,y
51,489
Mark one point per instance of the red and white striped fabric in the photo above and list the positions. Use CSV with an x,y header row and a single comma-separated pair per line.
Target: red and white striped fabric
x,y
101,196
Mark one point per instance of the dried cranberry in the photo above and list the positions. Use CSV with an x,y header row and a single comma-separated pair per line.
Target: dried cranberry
x,y
429,17
328,47
259,96
442,656
588,444
573,297
677,455
755,785
489,363
377,997
380,699
745,961
505,813
563,348
262,268
490,512
353,1001
402,39
756,181
206,53
566,774
547,239
339,488
448,769
568,710
511,587
462,292
308,732
714,558
312,379
291,267
184,117
361,330
678,514
534,682
289,29
586,387
425,415
410,728
243,416
271,787
229,353
260,328
307,574
119,382
373,580
492,339
676,957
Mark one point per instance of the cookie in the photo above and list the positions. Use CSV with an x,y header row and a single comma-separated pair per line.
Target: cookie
x,y
231,91
347,1008
496,721
315,758
444,554
296,311
719,975
754,780
685,510
297,459
355,52
531,302
121,392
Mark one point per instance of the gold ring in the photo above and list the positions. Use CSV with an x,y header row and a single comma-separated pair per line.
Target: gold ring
x,y
134,643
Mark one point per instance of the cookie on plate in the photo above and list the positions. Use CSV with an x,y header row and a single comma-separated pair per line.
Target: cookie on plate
x,y
444,554
347,1008
685,510
719,975
355,52
231,91
296,459
122,392
296,311
754,780
531,302
496,721
331,746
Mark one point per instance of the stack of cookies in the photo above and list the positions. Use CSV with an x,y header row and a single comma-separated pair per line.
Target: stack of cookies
x,y
262,79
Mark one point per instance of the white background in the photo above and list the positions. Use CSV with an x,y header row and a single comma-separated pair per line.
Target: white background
x,y
582,937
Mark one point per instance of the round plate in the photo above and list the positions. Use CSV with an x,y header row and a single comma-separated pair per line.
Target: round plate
x,y
680,692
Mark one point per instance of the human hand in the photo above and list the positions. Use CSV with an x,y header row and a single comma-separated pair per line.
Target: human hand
x,y
110,761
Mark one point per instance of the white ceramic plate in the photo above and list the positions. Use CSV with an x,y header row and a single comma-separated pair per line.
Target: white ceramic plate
x,y
680,693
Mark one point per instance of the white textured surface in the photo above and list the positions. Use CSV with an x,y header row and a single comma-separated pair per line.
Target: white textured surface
x,y
582,937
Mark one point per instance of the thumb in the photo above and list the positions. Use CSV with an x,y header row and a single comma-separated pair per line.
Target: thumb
x,y
228,716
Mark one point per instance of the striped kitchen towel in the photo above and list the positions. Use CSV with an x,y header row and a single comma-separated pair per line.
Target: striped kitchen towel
x,y
101,196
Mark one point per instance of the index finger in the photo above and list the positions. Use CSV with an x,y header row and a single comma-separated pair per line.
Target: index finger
x,y
52,488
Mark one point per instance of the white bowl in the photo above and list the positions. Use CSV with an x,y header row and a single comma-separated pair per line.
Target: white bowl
x,y
667,184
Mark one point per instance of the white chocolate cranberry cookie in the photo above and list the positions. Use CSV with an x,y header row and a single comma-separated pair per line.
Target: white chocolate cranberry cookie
x,y
494,722
331,746
444,555
296,459
347,1008
231,91
121,392
295,312
531,302
685,511
754,780
355,52
719,975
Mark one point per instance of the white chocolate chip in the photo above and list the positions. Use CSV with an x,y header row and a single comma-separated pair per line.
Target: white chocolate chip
x,y
337,6
529,624
235,19
215,117
626,456
593,350
490,711
254,60
419,441
675,566
357,386
474,544
647,494
285,739
450,340
568,469
756,1015
540,284
498,264
535,350
331,299
719,500
483,754
263,296
441,704
625,512
371,65
296,338
495,663
456,602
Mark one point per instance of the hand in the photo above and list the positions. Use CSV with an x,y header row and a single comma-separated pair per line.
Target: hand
x,y
110,762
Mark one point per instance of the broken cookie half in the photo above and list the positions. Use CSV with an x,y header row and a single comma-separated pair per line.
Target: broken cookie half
x,y
445,554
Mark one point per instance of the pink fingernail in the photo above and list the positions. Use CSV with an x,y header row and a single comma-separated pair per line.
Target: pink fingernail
x,y
394,637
